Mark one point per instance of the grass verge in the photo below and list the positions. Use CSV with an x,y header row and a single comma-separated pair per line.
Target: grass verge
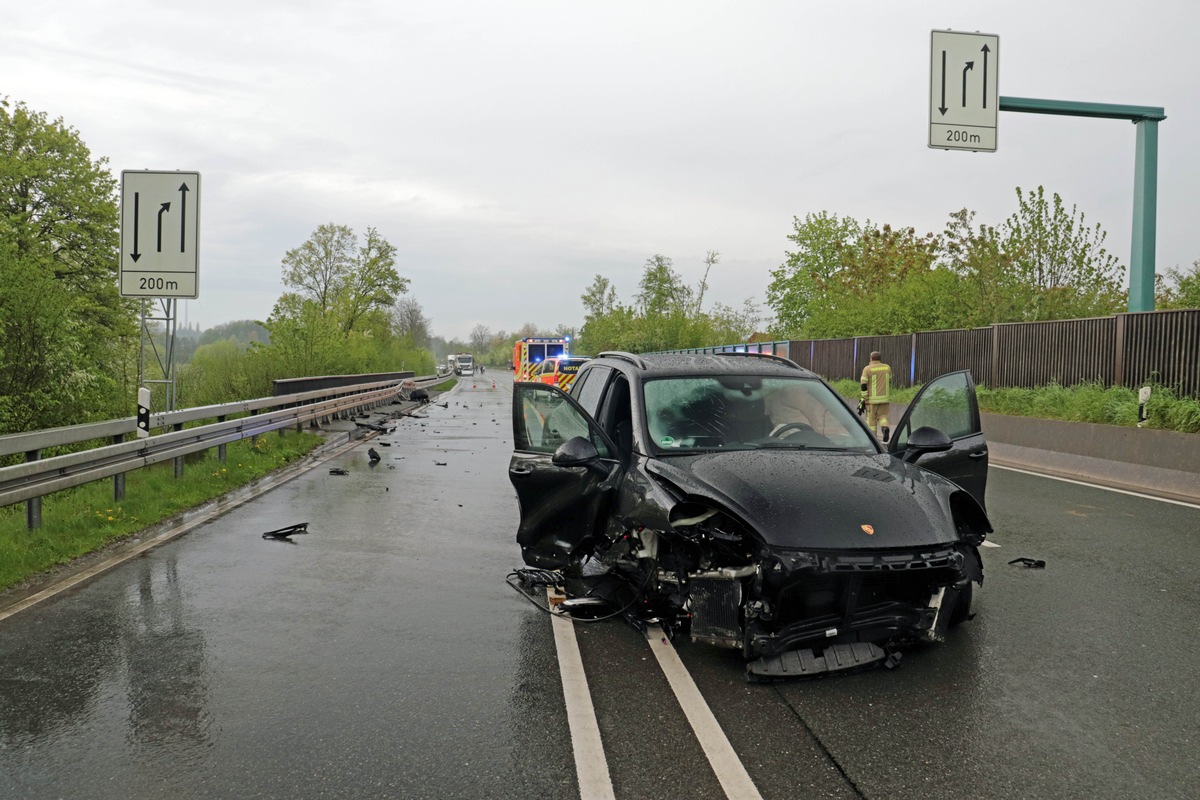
x,y
85,519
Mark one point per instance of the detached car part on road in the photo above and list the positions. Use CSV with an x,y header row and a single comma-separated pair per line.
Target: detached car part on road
x,y
740,501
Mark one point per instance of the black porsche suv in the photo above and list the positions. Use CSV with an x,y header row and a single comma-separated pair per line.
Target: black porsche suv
x,y
739,499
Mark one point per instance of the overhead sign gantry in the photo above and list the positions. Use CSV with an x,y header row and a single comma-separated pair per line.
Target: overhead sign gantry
x,y
962,116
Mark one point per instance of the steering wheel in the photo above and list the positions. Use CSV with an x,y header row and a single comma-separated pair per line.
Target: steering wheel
x,y
788,428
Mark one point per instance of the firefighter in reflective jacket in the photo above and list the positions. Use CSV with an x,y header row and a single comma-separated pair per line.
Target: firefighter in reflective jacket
x,y
874,384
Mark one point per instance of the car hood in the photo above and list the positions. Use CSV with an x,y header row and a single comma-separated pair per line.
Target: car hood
x,y
828,501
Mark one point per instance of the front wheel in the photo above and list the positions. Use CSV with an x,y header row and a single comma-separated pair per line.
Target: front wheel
x,y
962,610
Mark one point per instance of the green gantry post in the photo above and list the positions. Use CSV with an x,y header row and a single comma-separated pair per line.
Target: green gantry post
x,y
1145,180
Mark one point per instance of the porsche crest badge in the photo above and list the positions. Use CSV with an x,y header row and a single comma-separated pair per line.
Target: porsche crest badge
x,y
869,530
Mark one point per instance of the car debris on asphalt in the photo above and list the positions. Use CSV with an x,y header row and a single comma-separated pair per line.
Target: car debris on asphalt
x,y
284,533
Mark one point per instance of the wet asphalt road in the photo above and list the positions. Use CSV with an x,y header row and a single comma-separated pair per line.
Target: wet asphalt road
x,y
382,655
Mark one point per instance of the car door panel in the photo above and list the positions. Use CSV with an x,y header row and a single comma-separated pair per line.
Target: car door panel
x,y
561,507
949,404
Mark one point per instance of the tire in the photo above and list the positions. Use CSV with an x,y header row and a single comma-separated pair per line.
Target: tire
x,y
962,610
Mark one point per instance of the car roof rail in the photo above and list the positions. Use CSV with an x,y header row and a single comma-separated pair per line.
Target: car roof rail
x,y
771,356
621,354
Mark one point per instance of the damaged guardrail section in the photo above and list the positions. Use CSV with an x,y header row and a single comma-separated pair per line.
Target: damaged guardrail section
x,y
37,476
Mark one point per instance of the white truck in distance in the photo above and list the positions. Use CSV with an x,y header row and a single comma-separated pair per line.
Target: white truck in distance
x,y
464,364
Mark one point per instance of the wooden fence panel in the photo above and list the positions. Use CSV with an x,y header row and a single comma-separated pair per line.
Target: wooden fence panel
x,y
800,351
1163,347
833,359
1125,349
939,352
896,352
1066,352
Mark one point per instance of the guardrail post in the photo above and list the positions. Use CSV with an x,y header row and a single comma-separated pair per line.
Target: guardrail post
x,y
221,447
254,438
33,506
119,478
178,459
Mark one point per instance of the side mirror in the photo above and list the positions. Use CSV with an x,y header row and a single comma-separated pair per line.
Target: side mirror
x,y
577,452
925,440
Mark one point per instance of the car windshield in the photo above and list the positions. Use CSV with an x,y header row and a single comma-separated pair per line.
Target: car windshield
x,y
744,412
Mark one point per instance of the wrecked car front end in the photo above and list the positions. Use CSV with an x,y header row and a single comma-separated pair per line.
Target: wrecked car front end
x,y
797,580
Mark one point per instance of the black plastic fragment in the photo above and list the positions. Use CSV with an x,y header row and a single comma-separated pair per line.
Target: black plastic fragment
x,y
339,471
1032,563
806,664
283,533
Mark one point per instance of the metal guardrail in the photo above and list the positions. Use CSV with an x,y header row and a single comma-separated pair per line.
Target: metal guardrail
x,y
37,477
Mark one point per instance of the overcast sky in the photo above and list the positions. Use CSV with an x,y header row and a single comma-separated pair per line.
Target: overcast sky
x,y
513,150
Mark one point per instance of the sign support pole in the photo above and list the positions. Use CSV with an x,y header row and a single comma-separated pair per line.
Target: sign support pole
x,y
1145,214
164,358
1145,180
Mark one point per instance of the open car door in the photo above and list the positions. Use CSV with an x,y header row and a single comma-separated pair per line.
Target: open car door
x,y
565,471
948,403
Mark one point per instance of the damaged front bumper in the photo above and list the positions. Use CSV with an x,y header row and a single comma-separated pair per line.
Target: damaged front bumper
x,y
798,600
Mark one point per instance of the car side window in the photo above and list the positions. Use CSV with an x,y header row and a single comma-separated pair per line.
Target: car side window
x,y
545,420
590,393
578,384
945,404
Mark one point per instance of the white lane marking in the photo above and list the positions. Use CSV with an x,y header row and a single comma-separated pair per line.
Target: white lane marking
x,y
725,762
989,543
1098,486
590,764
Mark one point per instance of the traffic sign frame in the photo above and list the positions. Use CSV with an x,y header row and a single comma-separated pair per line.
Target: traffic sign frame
x,y
160,234
964,90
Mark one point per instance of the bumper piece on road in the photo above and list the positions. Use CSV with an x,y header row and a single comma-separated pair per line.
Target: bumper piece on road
x,y
805,664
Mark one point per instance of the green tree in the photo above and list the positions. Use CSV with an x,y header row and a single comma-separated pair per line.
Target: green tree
x,y
804,283
58,207
217,373
599,298
988,289
1061,260
66,336
409,321
373,282
340,278
242,331
481,335
875,291
305,339
662,288
710,261
1184,288
665,314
